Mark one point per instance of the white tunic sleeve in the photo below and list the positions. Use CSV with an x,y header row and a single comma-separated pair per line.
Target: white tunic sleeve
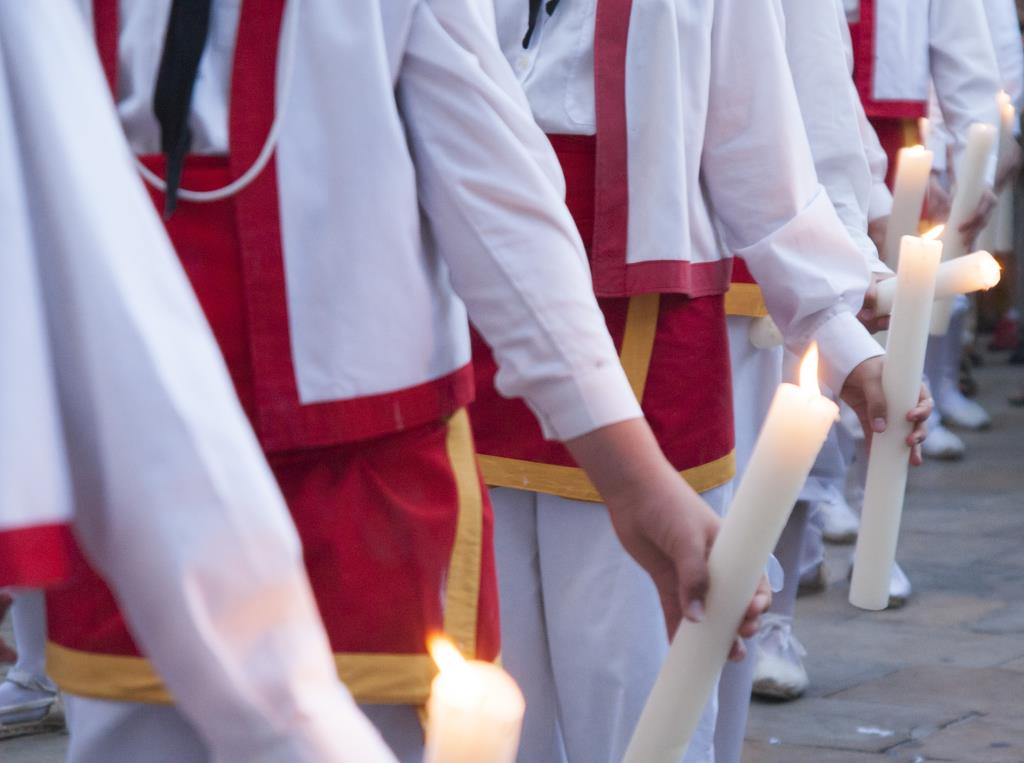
x,y
34,481
880,204
759,173
1006,37
829,106
174,503
502,227
964,73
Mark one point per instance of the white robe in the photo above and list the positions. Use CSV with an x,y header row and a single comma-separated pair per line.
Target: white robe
x,y
116,401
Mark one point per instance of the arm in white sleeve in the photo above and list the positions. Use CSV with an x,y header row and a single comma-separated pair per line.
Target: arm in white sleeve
x,y
174,504
1005,30
964,70
759,174
829,107
880,203
501,225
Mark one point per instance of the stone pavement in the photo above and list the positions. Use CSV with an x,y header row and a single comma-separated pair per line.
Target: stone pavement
x,y
943,678
940,680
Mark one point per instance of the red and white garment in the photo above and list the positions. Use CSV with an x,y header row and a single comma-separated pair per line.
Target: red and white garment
x,y
117,401
701,182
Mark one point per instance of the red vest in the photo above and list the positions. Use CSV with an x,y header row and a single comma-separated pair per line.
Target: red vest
x,y
396,529
279,417
676,355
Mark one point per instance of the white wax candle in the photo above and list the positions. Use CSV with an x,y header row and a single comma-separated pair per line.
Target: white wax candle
x,y
1002,237
978,271
971,183
1003,217
475,711
793,433
913,166
889,459
998,234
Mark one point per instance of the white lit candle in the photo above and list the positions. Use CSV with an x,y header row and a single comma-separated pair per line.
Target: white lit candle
x,y
889,458
978,271
475,711
971,183
792,435
913,166
1003,217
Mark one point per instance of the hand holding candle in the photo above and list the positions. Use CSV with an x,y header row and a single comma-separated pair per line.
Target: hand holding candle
x,y
475,711
793,433
888,462
973,272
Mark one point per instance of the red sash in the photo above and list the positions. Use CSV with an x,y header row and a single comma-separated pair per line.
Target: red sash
x,y
34,556
396,529
675,352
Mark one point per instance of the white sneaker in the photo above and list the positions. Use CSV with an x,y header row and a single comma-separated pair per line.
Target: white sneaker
x,y
839,522
959,411
25,698
943,445
899,587
779,671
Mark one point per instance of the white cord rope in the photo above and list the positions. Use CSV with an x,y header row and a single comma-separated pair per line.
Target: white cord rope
x,y
291,35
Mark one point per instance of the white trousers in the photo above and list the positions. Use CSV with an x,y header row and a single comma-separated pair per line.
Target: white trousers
x,y
755,375
582,628
132,732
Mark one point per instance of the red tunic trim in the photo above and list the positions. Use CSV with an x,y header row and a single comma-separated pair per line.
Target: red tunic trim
x,y
36,555
613,276
281,420
685,392
863,37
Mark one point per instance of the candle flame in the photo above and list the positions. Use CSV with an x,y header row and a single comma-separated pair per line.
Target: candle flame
x,y
991,270
923,126
445,654
934,233
809,370
918,149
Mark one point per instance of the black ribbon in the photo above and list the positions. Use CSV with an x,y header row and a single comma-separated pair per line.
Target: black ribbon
x,y
187,31
535,6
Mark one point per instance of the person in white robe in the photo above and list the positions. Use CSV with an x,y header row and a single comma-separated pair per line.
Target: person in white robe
x,y
120,423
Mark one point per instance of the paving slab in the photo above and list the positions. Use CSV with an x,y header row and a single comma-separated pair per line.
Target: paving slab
x,y
848,724
757,751
980,739
946,687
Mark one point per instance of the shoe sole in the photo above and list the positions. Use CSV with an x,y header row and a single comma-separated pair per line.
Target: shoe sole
x,y
772,691
841,539
945,456
897,602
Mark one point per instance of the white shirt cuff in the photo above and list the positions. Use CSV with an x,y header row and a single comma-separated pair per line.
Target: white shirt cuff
x,y
880,203
843,344
584,403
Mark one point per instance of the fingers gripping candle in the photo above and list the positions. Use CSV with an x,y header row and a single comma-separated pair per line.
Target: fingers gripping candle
x,y
978,271
792,435
475,711
889,459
